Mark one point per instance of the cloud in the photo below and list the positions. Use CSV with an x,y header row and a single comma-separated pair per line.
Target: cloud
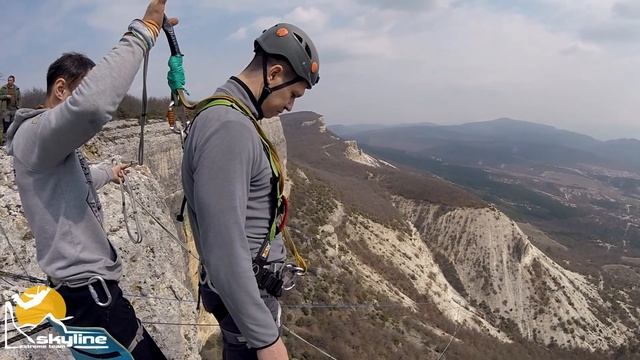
x,y
408,5
309,18
579,48
565,63
627,9
612,32
114,15
265,22
239,34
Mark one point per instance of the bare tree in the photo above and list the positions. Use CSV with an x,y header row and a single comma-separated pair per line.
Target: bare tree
x,y
33,98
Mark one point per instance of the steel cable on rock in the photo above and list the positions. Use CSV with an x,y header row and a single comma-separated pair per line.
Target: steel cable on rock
x,y
171,234
15,253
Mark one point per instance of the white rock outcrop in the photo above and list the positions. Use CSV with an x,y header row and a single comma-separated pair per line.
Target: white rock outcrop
x,y
513,281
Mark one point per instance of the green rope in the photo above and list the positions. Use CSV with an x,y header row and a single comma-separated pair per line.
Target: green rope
x,y
175,76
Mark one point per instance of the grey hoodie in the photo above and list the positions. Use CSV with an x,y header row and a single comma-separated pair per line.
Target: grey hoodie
x,y
226,178
58,196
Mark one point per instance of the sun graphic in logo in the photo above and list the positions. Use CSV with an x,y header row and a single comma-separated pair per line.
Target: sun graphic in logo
x,y
36,303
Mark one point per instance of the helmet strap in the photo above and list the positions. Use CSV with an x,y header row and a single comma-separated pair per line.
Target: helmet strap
x,y
266,90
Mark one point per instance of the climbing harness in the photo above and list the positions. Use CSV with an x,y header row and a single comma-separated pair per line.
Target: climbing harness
x,y
268,279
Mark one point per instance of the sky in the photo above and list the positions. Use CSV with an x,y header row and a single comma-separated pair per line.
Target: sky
x,y
572,64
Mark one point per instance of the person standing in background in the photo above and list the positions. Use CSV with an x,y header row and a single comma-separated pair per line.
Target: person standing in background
x,y
9,103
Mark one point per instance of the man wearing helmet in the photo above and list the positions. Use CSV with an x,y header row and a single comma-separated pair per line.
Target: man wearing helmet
x,y
229,181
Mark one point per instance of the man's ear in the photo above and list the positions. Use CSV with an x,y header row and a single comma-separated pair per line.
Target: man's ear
x,y
275,71
59,87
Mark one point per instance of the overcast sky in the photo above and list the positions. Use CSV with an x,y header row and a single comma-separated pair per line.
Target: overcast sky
x,y
573,64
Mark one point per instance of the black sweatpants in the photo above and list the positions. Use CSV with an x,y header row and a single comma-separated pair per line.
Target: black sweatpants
x,y
234,345
118,319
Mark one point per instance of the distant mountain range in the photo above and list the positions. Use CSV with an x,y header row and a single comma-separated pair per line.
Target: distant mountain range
x,y
496,142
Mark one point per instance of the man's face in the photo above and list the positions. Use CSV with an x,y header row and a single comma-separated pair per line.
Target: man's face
x,y
283,99
10,81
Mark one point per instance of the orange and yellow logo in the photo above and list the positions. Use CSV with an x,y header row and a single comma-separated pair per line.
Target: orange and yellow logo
x,y
37,303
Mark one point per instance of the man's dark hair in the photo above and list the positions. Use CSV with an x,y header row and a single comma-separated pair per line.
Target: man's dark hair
x,y
256,64
72,67
11,77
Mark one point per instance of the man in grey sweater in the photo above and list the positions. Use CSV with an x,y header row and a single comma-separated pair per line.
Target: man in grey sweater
x,y
58,189
229,184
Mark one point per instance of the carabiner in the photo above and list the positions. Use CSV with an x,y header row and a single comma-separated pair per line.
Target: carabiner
x,y
94,294
288,274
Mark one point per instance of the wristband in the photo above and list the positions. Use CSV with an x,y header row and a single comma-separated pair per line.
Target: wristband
x,y
140,30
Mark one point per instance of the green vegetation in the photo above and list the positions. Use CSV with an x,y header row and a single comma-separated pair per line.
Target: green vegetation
x,y
379,332
130,107
525,202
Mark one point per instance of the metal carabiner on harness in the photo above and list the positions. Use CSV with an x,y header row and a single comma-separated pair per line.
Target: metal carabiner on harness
x,y
171,118
289,273
94,294
89,285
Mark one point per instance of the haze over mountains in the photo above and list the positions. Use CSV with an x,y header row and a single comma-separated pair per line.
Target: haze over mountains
x,y
536,173
498,141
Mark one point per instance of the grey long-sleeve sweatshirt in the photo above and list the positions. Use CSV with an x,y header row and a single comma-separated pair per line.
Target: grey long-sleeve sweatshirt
x,y
227,182
58,199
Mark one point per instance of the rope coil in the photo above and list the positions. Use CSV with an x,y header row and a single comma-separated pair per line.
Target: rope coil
x,y
125,188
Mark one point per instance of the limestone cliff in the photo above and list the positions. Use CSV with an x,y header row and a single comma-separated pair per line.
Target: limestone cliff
x,y
155,277
512,281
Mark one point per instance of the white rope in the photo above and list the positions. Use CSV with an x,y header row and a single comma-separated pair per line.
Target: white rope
x,y
125,188
444,351
308,343
171,234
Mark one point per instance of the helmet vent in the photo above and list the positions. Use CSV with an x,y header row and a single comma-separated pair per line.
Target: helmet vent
x,y
299,38
308,50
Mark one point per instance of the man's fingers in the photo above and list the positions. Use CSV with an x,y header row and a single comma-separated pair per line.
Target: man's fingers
x,y
173,21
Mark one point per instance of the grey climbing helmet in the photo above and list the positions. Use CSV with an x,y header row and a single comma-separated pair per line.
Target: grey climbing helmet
x,y
290,42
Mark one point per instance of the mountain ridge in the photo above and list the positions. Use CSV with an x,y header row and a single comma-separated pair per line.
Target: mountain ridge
x,y
544,314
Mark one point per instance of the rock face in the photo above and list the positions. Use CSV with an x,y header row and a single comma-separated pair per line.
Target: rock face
x,y
407,252
513,282
353,153
155,279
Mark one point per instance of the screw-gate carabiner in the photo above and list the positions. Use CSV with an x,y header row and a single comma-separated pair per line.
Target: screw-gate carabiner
x,y
94,294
